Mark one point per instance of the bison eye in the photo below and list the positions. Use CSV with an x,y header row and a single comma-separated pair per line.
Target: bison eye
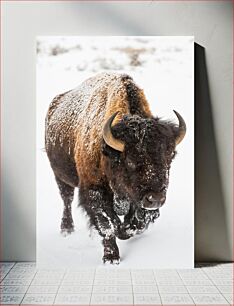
x,y
131,165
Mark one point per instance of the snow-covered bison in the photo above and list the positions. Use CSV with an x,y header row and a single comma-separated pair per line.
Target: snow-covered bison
x,y
102,138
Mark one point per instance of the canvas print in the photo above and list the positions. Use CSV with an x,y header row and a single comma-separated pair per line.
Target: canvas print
x,y
115,145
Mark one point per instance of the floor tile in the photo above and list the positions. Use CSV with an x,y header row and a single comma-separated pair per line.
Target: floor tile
x,y
143,282
20,276
21,273
39,299
6,299
81,282
220,276
176,299
165,271
74,289
23,269
190,272
195,277
25,265
16,282
78,279
110,278
49,277
113,282
147,299
171,289
210,268
6,264
208,284
223,282
202,289
53,270
112,299
197,282
84,270
229,297
41,274
225,289
43,289
145,289
4,270
112,289
46,282
72,299
80,275
168,282
228,268
167,277
148,277
221,273
209,299
112,273
13,289
144,273
3,275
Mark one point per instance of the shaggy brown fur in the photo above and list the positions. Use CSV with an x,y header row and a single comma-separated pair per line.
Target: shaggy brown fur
x,y
111,183
75,120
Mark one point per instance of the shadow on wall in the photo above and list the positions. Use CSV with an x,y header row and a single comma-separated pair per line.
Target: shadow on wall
x,y
211,232
14,219
103,14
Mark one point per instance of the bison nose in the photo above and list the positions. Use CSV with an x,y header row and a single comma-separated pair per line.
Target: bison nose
x,y
152,201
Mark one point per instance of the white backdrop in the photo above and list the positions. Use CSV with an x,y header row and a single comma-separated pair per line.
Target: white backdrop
x,y
166,74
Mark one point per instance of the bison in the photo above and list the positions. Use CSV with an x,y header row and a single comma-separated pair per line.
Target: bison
x,y
102,137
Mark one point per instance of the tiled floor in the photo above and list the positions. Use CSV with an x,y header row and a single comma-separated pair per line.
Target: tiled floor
x,y
208,284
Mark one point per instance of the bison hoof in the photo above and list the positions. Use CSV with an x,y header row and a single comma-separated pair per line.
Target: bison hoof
x,y
66,231
107,259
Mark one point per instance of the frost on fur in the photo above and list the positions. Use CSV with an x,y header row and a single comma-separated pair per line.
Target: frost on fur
x,y
131,182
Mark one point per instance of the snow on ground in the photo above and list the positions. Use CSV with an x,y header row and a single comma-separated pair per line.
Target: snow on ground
x,y
163,67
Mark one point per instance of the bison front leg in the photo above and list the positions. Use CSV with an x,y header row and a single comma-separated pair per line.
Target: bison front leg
x,y
105,225
111,250
98,205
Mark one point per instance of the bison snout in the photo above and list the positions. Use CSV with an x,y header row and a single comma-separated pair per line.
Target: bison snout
x,y
152,201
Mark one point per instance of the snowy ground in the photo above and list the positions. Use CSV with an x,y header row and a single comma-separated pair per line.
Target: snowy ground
x,y
163,67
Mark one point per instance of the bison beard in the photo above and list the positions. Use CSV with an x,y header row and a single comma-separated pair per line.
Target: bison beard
x,y
102,138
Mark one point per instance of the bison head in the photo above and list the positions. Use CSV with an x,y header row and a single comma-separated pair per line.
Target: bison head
x,y
138,154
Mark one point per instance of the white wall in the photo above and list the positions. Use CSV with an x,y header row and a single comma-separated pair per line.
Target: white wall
x,y
211,24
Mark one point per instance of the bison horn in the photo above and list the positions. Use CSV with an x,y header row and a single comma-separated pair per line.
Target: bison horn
x,y
182,128
109,138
